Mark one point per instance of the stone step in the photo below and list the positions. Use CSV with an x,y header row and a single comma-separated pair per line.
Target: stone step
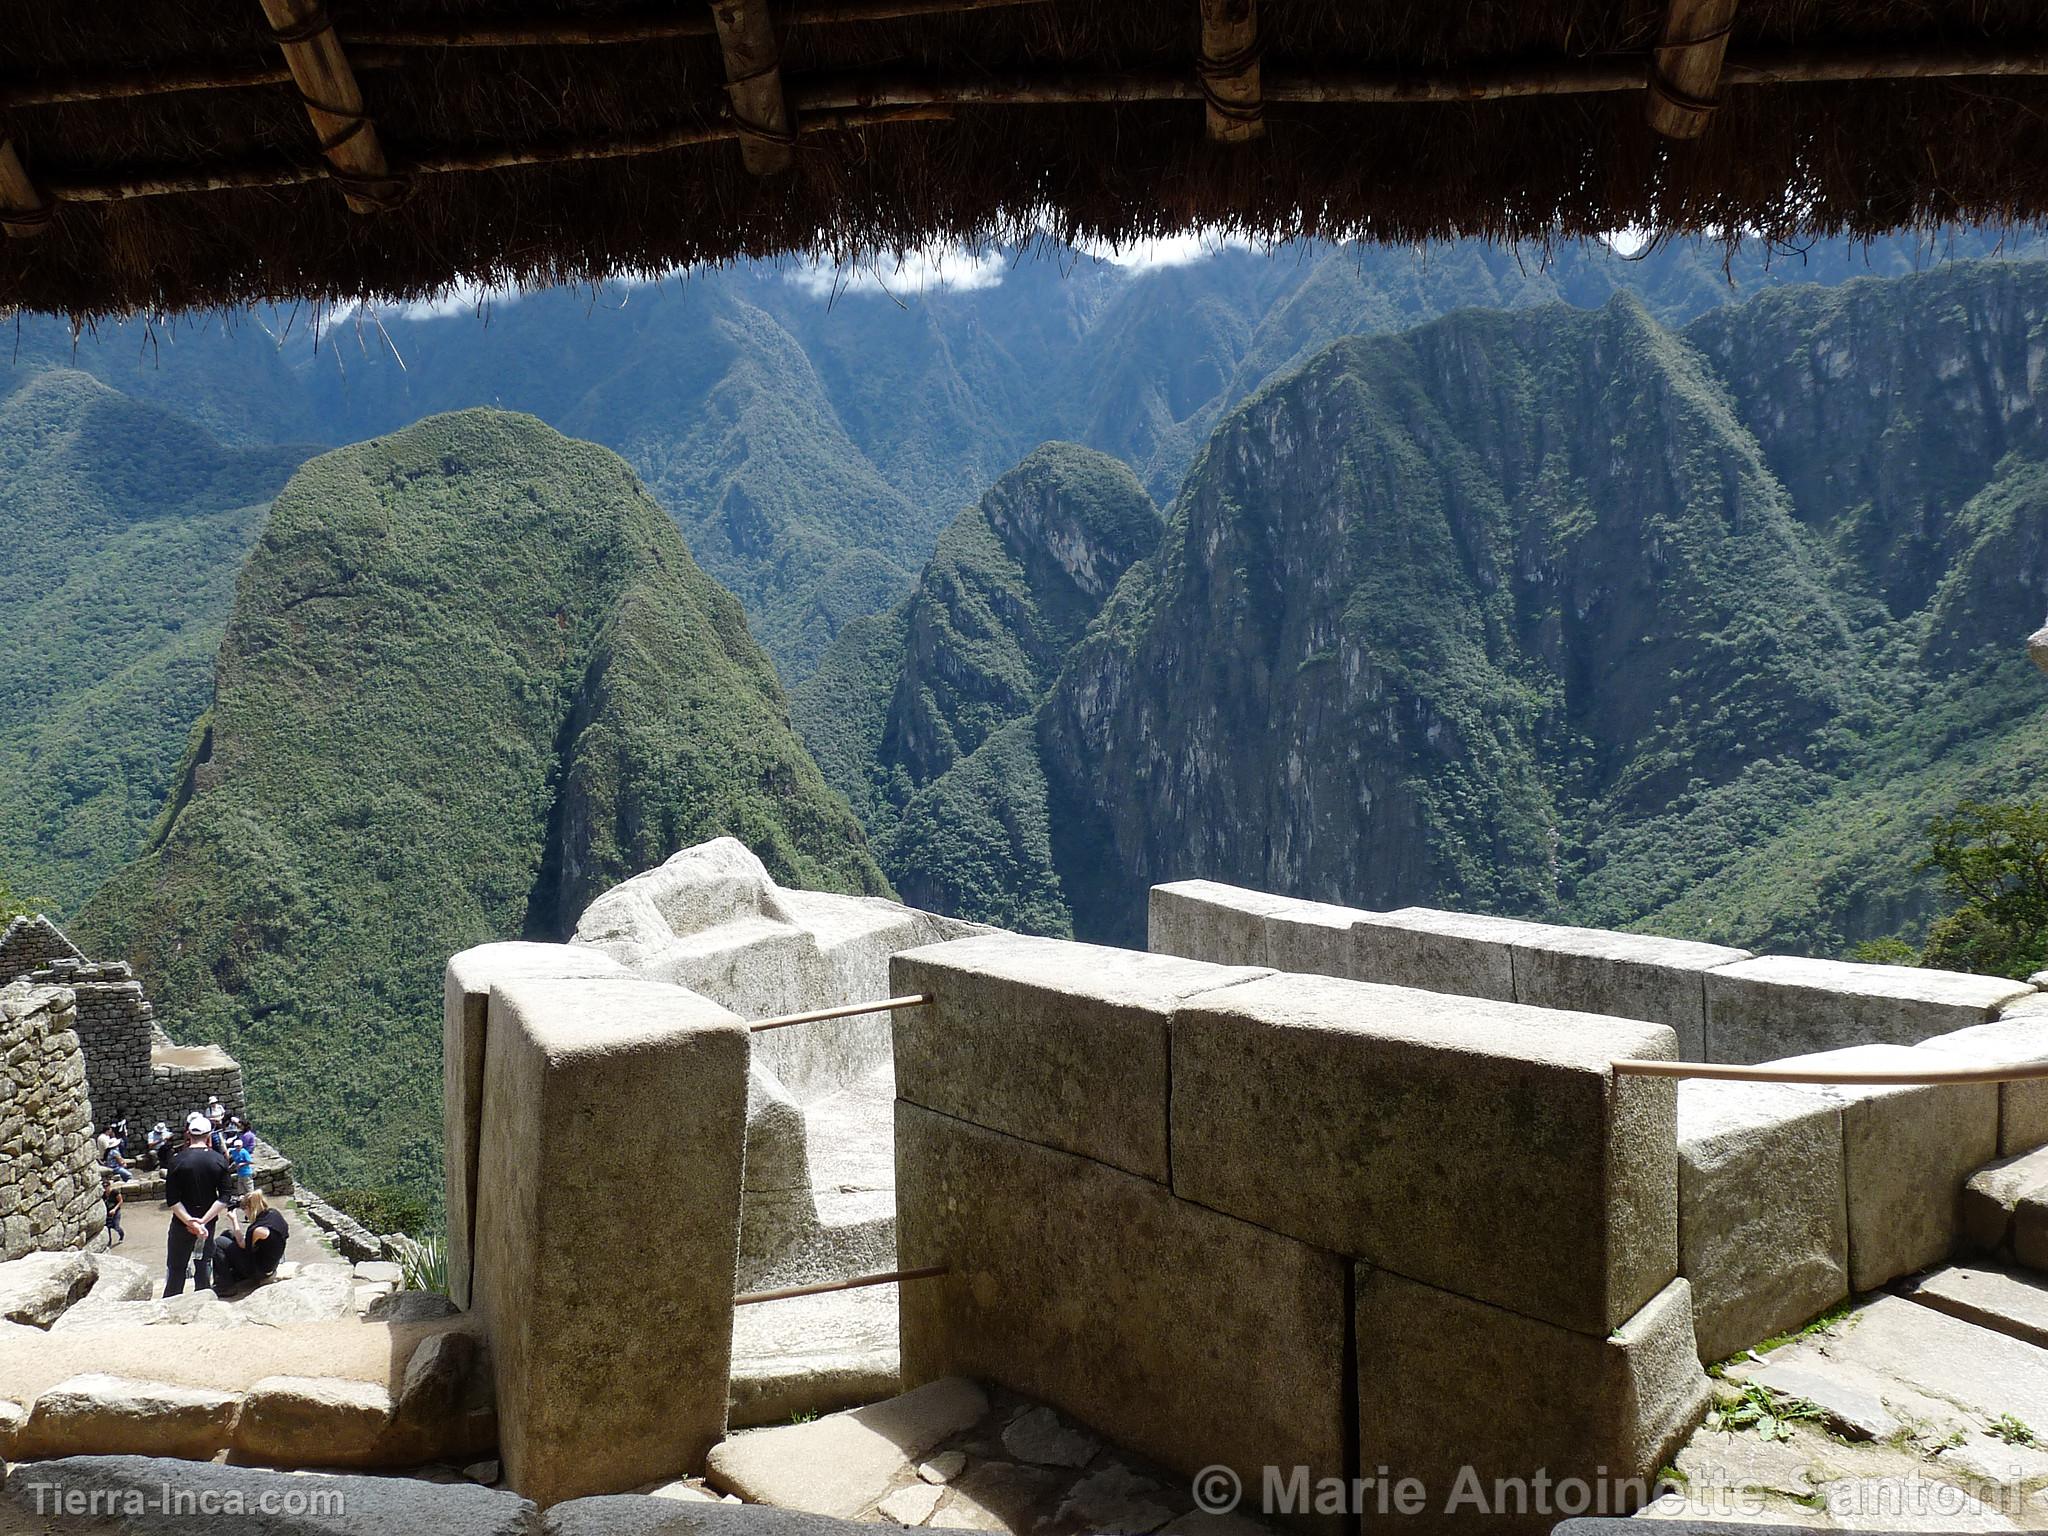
x,y
1908,1351
1993,1196
2005,1301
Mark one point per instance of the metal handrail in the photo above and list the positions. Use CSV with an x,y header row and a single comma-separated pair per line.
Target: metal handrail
x,y
843,1011
1929,1077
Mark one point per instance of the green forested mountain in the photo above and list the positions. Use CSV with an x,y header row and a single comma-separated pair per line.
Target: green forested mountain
x,y
122,526
1685,609
812,447
471,677
1563,612
915,712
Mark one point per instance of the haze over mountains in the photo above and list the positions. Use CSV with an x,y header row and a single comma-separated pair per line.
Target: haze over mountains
x,y
1358,574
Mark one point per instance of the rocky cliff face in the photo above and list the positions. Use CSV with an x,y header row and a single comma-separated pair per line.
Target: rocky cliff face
x,y
472,677
1011,587
1884,407
917,714
1432,606
1558,612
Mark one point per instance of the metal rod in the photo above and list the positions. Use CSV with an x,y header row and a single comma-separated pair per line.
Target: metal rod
x,y
1766,1073
855,1284
843,1011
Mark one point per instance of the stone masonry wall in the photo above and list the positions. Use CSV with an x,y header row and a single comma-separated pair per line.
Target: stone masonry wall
x,y
29,943
133,1071
1236,1218
113,1030
1725,1004
51,1195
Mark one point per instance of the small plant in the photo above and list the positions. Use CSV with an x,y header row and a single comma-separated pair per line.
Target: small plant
x,y
1834,1315
383,1208
424,1265
803,1416
1771,1417
2011,1430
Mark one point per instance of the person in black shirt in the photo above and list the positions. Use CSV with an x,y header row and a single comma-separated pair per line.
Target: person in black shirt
x,y
110,1192
196,1189
252,1250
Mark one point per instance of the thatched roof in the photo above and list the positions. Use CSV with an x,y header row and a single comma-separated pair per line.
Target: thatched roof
x,y
197,152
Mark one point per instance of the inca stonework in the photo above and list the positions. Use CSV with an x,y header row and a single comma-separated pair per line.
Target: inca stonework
x,y
133,1070
29,943
51,1197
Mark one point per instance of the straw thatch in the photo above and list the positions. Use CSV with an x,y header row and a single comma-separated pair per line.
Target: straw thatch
x,y
977,119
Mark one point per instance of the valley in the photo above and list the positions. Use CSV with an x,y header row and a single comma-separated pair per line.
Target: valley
x,y
1648,593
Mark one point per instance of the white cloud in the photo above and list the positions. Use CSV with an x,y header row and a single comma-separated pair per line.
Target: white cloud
x,y
461,298
1166,250
953,268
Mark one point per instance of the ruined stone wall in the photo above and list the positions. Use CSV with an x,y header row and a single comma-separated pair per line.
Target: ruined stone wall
x,y
1232,1217
1725,1004
133,1070
29,943
50,1197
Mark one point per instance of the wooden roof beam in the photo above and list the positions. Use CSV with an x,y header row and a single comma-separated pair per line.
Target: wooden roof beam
x,y
24,211
1229,70
1685,70
334,104
753,85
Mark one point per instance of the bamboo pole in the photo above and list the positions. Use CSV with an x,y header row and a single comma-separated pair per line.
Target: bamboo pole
x,y
1228,70
334,103
274,174
656,28
753,85
1325,87
822,1287
24,211
1685,69
853,104
1767,1073
844,1011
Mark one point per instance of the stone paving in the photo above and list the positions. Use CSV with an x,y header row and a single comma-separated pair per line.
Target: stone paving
x,y
954,1455
1901,1415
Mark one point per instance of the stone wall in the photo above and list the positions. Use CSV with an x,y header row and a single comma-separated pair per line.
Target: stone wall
x,y
133,1070
1788,1197
1725,1004
1233,1217
30,942
50,1197
610,1314
819,1167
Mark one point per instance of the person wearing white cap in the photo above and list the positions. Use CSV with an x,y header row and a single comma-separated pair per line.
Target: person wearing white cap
x,y
197,1183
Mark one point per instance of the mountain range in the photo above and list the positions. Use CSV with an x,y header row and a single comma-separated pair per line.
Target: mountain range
x,y
1676,591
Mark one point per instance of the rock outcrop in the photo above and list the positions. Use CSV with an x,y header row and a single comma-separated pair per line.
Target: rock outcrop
x,y
820,1174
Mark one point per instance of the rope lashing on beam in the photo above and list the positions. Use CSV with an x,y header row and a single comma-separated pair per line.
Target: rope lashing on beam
x,y
858,1282
1930,1077
24,210
1685,70
756,103
1227,70
842,1011
327,88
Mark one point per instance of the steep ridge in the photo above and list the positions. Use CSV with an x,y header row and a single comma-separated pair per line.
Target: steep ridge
x,y
812,443
472,677
1432,607
1518,612
122,526
906,702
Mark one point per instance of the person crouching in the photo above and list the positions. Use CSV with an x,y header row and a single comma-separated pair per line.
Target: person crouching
x,y
196,1189
252,1247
